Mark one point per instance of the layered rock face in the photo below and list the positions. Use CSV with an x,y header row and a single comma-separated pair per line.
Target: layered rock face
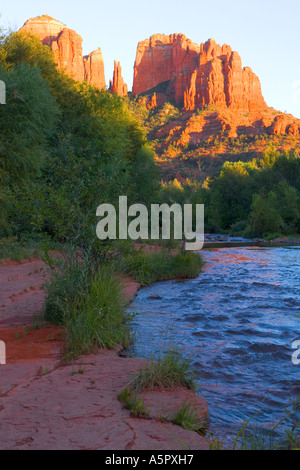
x,y
67,48
66,45
196,75
117,85
164,58
209,78
94,69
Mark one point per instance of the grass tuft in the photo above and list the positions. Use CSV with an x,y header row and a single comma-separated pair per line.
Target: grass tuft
x,y
99,320
68,284
187,418
169,371
89,303
130,400
148,268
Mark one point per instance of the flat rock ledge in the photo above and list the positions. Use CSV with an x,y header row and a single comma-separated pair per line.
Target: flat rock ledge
x,y
164,405
75,407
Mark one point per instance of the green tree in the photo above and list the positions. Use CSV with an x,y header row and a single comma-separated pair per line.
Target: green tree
x,y
26,121
264,216
231,194
288,205
287,167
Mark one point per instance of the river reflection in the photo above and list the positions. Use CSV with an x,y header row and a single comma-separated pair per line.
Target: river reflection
x,y
236,321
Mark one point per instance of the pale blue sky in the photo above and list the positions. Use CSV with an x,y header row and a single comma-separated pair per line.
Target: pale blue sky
x,y
266,33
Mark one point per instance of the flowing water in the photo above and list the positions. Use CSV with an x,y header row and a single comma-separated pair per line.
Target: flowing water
x,y
236,321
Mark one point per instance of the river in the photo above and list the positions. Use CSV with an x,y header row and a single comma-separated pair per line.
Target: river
x,y
236,322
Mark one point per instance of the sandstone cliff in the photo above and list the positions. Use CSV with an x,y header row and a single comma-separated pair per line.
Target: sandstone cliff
x,y
203,77
66,45
173,68
196,75
94,69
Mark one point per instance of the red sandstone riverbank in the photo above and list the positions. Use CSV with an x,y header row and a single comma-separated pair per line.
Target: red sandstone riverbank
x,y
48,404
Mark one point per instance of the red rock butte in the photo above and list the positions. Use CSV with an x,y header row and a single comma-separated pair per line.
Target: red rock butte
x,y
117,85
66,45
173,68
196,75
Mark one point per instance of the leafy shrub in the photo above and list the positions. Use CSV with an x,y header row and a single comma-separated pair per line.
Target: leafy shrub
x,y
264,216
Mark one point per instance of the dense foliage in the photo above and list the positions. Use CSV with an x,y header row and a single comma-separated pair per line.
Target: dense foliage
x,y
253,198
259,197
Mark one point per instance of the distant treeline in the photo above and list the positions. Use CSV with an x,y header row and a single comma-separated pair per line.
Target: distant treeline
x,y
256,198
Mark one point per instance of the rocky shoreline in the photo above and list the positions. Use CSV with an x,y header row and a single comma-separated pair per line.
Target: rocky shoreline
x,y
218,240
48,404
